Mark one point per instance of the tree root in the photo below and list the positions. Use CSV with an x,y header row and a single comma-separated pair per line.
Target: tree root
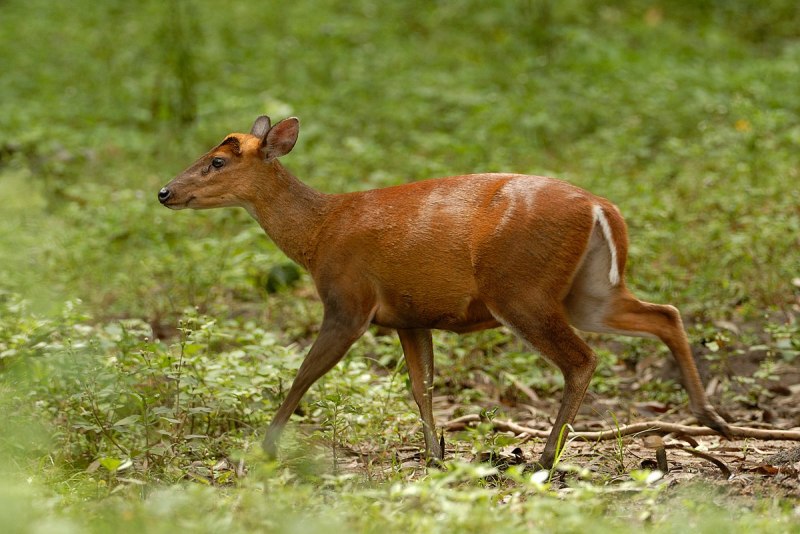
x,y
726,472
627,430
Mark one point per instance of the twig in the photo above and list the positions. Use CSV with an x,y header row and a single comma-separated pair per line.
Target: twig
x,y
636,428
726,472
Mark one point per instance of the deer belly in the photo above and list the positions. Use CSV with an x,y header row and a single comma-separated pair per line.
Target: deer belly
x,y
431,309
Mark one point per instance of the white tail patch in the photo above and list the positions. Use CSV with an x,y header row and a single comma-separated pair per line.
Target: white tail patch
x,y
600,217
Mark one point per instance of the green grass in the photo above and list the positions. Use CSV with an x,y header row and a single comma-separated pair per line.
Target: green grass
x,y
142,351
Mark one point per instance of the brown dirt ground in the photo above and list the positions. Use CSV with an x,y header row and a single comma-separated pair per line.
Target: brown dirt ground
x,y
757,467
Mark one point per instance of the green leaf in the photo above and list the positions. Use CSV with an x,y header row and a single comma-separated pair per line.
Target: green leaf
x,y
110,464
127,421
282,276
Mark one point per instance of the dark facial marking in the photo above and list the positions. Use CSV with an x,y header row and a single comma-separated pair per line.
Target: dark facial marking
x,y
233,143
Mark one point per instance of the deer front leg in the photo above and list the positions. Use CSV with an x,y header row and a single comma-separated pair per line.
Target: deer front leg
x,y
337,334
418,349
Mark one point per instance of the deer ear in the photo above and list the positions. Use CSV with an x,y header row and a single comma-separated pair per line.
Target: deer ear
x,y
281,138
260,127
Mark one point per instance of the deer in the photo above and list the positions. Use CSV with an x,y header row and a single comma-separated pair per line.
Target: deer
x,y
537,255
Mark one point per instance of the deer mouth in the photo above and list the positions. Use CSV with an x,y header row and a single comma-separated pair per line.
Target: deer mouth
x,y
179,205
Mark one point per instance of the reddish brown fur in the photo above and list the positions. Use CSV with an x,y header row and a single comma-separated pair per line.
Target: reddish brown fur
x,y
462,253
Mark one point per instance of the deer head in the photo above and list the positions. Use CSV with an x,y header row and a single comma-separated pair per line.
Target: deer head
x,y
229,173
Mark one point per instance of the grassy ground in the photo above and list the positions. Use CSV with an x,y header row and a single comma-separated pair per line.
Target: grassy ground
x,y
142,351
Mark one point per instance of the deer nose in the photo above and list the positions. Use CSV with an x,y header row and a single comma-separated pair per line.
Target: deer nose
x,y
164,195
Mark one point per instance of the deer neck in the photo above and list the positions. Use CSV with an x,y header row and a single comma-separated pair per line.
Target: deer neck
x,y
289,211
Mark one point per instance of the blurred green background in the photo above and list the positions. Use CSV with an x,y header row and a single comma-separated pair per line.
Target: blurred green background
x,y
140,347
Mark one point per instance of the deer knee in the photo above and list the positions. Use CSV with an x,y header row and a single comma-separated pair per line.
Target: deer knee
x,y
671,322
589,362
580,366
672,314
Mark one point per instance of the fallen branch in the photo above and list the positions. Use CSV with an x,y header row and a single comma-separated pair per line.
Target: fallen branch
x,y
627,430
726,472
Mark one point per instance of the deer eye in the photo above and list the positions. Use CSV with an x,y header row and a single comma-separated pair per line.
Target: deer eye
x,y
217,163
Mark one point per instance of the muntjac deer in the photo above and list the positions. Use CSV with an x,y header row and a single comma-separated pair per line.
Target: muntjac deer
x,y
464,253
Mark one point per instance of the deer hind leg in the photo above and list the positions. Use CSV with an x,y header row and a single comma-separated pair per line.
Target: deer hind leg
x,y
594,304
628,315
418,349
545,328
